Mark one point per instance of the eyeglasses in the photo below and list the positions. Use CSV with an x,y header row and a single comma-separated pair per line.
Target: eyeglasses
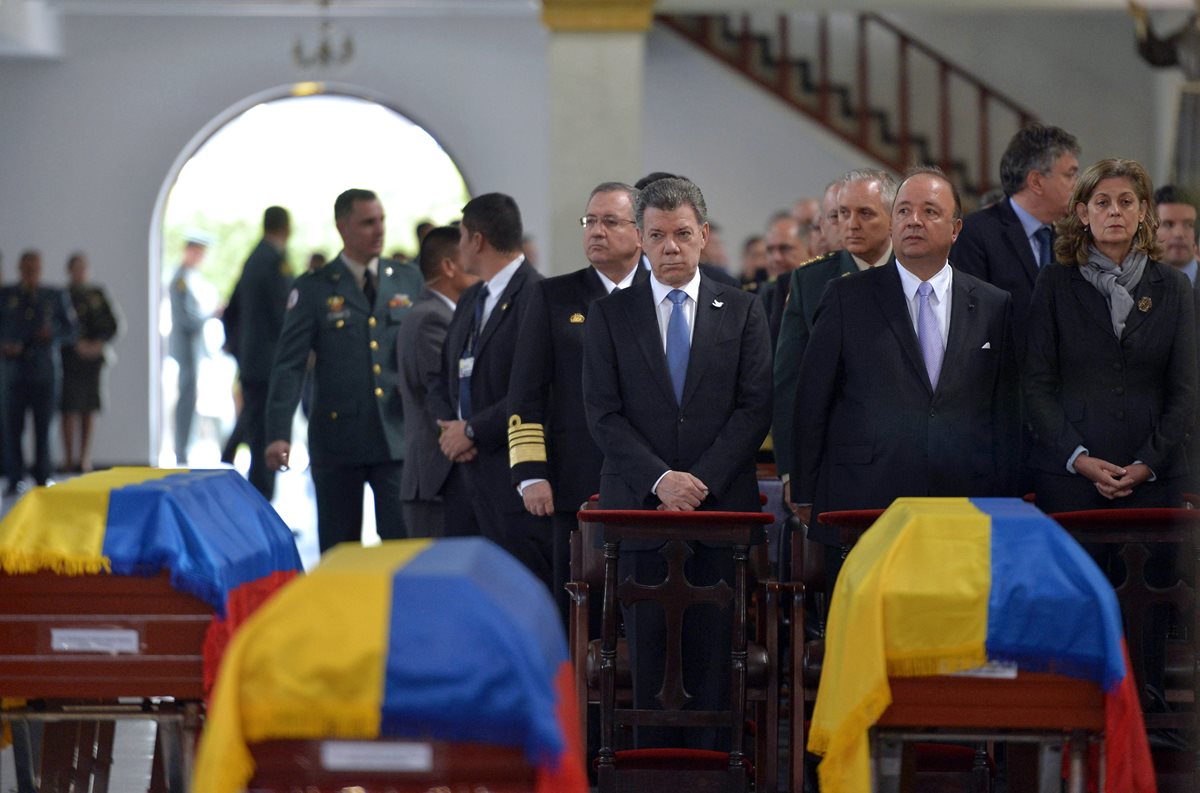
x,y
610,222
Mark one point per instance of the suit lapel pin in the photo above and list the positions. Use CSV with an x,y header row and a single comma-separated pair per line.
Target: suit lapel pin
x,y
576,318
504,306
387,271
1145,304
718,304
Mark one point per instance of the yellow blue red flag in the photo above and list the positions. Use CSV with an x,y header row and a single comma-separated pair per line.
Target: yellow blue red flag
x,y
938,586
452,641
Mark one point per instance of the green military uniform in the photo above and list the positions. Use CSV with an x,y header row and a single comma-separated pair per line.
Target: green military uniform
x,y
356,423
807,287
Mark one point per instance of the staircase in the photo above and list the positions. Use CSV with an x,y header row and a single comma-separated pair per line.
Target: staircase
x,y
871,84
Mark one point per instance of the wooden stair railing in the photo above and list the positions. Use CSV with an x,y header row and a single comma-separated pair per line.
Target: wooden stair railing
x,y
887,129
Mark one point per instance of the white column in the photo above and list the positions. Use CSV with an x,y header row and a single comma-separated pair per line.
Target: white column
x,y
596,59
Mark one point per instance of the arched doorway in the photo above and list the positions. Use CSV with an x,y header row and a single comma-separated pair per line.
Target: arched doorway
x,y
297,146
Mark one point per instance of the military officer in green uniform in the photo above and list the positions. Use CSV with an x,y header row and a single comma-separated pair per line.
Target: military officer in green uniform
x,y
348,313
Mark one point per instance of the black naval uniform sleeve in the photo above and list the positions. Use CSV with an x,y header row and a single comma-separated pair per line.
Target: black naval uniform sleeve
x,y
529,386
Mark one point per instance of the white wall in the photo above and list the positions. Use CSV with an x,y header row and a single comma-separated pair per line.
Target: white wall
x,y
86,141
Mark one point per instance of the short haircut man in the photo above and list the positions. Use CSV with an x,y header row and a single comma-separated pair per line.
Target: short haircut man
x,y
1177,228
437,244
909,385
348,313
677,387
863,202
554,461
470,393
1008,242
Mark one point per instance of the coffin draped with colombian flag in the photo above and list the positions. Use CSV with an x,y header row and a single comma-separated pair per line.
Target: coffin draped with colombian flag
x,y
452,640
943,585
219,540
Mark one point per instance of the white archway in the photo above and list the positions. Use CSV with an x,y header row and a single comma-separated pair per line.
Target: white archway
x,y
396,198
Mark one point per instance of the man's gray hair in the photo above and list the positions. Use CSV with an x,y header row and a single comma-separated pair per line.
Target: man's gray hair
x,y
616,187
887,183
669,195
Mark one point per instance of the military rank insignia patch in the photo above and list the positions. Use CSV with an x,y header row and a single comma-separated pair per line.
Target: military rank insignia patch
x,y
526,442
336,302
400,301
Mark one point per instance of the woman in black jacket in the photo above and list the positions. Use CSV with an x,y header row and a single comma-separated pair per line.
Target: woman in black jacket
x,y
1110,369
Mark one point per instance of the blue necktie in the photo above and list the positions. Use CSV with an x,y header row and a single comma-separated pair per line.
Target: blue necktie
x,y
1042,236
679,345
928,335
464,383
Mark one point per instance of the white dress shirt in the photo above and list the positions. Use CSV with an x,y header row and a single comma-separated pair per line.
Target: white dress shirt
x,y
610,286
664,306
939,301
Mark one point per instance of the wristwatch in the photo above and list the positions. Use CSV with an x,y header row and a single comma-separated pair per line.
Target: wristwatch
x,y
469,431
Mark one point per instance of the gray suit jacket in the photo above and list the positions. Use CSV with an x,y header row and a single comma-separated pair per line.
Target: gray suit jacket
x,y
419,356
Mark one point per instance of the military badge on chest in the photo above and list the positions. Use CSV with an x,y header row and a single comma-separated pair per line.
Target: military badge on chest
x,y
337,309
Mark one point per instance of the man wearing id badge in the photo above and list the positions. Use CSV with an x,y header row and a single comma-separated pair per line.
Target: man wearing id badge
x,y
470,397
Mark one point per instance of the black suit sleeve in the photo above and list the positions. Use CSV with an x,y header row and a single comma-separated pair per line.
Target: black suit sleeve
x,y
789,350
970,251
623,447
819,374
1179,407
747,425
1006,411
1041,376
528,389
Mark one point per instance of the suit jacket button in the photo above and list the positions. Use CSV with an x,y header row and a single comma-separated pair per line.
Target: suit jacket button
x,y
378,392
333,415
377,368
371,322
374,344
1119,389
932,412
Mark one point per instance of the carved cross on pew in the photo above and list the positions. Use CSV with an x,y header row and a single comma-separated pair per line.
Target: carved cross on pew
x,y
675,594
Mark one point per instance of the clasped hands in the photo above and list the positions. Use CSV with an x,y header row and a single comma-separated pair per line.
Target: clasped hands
x,y
454,441
679,491
1113,481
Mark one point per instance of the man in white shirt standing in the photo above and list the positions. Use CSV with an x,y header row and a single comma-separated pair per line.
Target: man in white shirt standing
x,y
909,383
555,463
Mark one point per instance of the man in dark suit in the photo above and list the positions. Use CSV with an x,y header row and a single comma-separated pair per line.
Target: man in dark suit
x,y
555,463
36,321
909,385
1007,243
261,296
469,400
419,348
864,204
677,387
348,313
1177,233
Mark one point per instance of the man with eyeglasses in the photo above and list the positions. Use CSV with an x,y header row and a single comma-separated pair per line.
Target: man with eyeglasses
x,y
555,463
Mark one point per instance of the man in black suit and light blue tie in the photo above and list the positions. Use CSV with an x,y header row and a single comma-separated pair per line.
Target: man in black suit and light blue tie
x,y
419,348
909,382
1007,243
469,400
677,387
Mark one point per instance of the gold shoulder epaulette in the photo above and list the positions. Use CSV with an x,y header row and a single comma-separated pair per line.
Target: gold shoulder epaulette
x,y
815,259
526,442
